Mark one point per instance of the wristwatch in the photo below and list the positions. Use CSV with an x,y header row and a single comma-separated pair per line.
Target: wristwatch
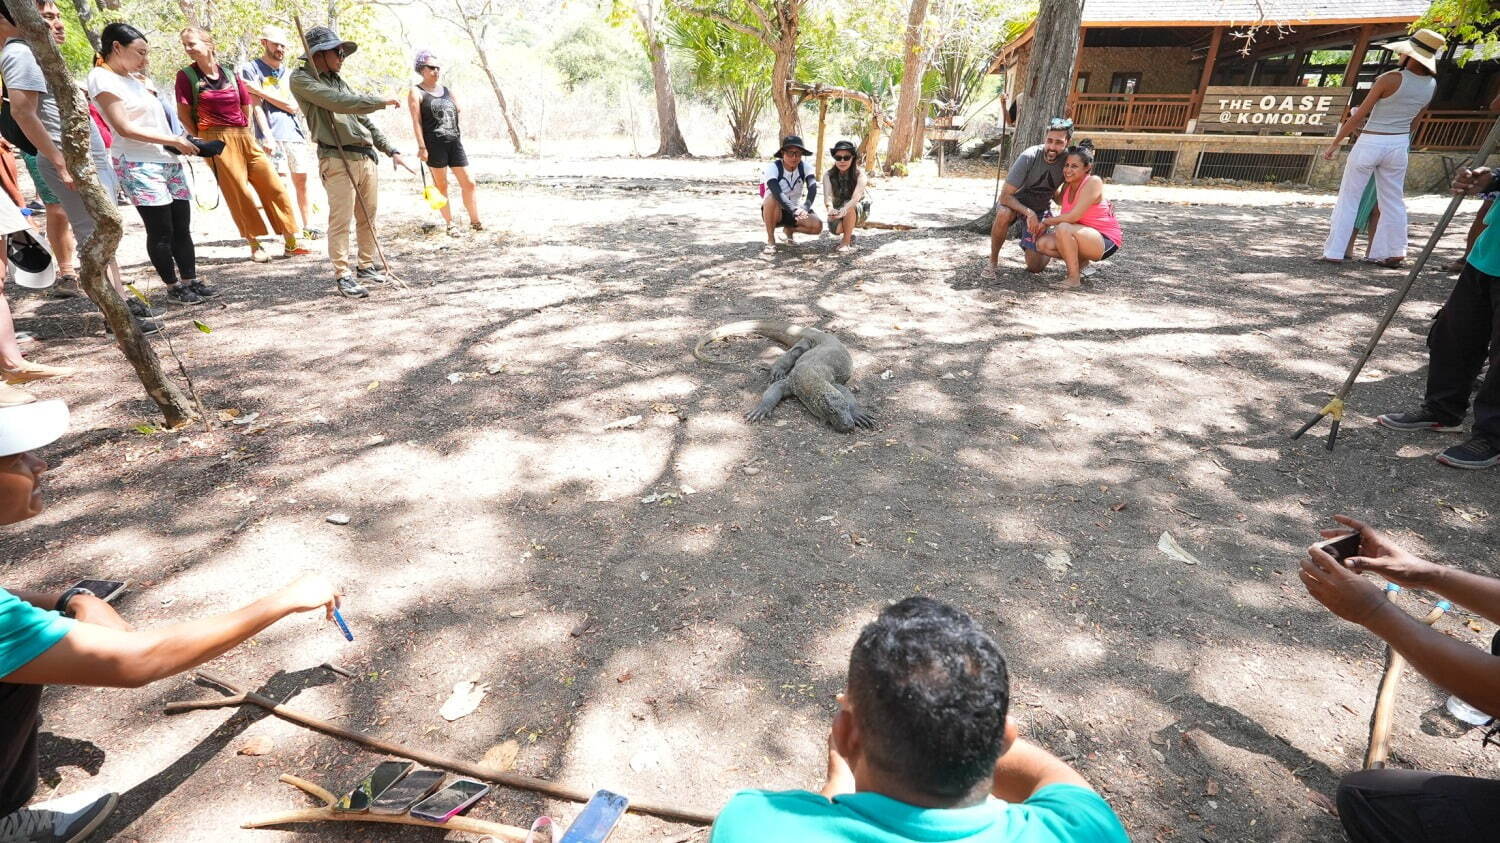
x,y
67,597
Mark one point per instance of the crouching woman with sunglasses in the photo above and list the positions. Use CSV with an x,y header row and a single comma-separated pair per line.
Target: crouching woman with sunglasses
x,y
1086,230
844,194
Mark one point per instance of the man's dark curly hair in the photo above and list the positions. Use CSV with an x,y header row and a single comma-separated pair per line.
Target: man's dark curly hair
x,y
930,693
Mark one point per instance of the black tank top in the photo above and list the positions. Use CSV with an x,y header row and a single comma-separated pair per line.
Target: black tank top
x,y
439,116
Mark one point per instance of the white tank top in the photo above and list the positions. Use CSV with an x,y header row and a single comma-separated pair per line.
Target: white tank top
x,y
1393,115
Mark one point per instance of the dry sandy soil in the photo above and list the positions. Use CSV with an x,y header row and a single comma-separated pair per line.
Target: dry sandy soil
x,y
665,608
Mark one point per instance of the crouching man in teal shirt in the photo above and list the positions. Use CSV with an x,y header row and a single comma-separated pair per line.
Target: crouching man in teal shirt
x,y
922,750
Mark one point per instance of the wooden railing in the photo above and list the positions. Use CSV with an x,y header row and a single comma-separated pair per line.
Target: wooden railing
x,y
1132,112
1445,130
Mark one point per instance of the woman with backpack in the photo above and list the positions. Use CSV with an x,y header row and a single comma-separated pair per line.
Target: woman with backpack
x,y
145,158
434,119
844,194
785,182
214,104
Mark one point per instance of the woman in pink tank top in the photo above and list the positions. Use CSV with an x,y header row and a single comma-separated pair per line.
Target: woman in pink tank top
x,y
1086,230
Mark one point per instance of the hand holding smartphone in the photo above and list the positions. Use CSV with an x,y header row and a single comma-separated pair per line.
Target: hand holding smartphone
x,y
1340,548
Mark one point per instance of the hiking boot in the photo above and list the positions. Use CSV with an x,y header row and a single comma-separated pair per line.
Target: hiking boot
x,y
1478,452
350,289
181,293
1423,419
67,820
67,287
140,308
201,289
370,274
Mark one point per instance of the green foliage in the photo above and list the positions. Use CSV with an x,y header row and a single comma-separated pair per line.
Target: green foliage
x,y
76,50
593,52
1471,22
727,67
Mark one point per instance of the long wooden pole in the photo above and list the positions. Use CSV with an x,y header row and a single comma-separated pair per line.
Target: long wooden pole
x,y
431,759
1385,699
1335,407
822,119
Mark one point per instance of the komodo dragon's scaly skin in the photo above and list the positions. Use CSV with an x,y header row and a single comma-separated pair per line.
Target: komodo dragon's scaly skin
x,y
814,368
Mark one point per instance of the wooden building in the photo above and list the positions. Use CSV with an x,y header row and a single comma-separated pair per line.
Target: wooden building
x,y
1252,90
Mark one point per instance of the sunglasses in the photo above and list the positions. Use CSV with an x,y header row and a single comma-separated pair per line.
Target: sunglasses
x,y
843,157
1057,123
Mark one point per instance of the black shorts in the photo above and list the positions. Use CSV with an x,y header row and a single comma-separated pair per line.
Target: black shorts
x,y
789,220
445,153
1110,246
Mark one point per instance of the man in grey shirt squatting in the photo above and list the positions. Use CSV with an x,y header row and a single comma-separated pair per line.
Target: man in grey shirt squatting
x,y
1027,195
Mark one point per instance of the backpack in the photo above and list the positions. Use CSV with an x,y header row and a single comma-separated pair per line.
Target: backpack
x,y
198,83
802,174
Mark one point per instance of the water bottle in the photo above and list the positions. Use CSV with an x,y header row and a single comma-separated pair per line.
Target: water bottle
x,y
1467,713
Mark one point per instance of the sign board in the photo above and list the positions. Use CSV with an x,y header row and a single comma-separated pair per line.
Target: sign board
x,y
1272,110
945,134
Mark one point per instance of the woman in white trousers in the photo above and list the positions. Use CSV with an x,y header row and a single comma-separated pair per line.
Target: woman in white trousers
x,y
1385,119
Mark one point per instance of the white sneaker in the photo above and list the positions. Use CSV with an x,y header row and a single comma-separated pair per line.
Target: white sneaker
x,y
1090,271
66,820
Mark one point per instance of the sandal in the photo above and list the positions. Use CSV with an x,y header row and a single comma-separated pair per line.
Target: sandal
x,y
12,397
1388,263
987,272
1329,260
1065,286
29,372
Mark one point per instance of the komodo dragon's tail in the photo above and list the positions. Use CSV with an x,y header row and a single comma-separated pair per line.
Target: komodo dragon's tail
x,y
783,332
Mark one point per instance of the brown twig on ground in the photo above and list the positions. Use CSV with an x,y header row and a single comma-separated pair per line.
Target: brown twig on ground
x,y
240,696
325,813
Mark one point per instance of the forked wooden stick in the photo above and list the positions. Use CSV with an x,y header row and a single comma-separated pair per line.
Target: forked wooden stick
x,y
507,833
242,696
1385,699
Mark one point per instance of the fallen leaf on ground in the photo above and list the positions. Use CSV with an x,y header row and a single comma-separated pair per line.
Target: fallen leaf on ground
x,y
625,677
501,756
226,415
465,698
1210,788
623,423
257,745
1322,802
1168,545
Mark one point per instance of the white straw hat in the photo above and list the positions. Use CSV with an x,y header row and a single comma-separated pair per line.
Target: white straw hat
x,y
1422,48
30,426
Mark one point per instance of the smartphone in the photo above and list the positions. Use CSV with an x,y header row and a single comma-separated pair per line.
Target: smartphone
x,y
106,590
442,805
403,794
1340,547
358,799
598,818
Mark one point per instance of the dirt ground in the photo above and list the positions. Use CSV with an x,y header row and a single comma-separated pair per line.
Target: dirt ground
x,y
665,607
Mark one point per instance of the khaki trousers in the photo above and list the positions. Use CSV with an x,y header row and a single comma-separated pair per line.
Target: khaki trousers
x,y
241,167
342,206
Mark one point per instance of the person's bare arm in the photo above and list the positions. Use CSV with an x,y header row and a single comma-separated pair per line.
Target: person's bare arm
x,y
1386,85
24,110
414,107
114,110
96,655
1379,554
185,116
1026,768
283,103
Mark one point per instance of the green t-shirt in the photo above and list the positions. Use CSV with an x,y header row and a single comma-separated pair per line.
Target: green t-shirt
x,y
1059,813
26,632
1486,252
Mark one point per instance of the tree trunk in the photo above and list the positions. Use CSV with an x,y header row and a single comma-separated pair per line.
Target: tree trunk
x,y
85,11
95,252
919,132
672,144
782,71
1048,72
900,150
484,64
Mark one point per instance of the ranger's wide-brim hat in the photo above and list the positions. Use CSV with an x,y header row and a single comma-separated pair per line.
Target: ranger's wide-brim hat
x,y
793,142
321,39
1422,48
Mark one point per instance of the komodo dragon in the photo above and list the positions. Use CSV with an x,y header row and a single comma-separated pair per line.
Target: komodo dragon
x,y
814,368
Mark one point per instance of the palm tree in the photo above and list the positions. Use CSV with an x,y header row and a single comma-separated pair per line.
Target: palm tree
x,y
731,68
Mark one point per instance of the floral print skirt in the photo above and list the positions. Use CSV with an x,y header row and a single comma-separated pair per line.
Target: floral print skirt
x,y
152,183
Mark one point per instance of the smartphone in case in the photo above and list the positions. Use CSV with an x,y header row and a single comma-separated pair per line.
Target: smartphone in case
x,y
597,819
106,590
409,791
442,805
1340,547
358,799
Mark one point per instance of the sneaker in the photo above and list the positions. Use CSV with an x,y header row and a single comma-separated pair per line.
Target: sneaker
x,y
1478,452
454,230
1423,419
350,289
296,251
203,290
36,207
146,326
66,820
312,234
139,308
67,287
371,274
182,293
259,256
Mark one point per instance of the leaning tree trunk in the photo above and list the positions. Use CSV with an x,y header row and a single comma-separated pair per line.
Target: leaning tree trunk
x,y
1048,72
85,9
672,144
900,150
95,252
489,74
783,68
